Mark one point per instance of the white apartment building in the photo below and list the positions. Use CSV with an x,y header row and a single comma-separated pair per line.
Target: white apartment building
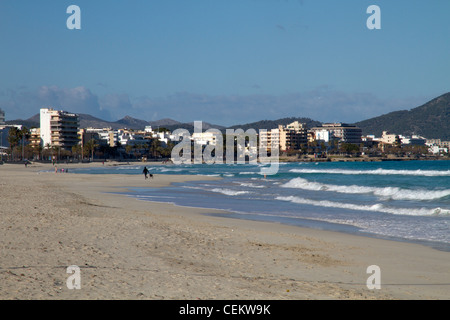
x,y
413,140
58,128
127,137
293,136
389,138
323,135
205,138
341,131
269,139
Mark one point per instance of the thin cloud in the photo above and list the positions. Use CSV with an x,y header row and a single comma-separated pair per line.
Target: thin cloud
x,y
322,104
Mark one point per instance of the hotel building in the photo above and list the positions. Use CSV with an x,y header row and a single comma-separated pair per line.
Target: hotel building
x,y
269,139
293,136
343,132
59,128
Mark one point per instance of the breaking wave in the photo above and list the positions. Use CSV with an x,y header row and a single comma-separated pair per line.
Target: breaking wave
x,y
394,193
229,192
378,207
426,173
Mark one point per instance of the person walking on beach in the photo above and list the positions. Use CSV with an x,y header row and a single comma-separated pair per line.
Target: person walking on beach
x,y
145,172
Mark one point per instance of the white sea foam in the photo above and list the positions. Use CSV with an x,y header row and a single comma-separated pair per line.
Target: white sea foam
x,y
394,193
250,185
427,173
170,170
229,192
378,207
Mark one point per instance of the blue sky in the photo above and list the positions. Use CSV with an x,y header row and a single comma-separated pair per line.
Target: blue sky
x,y
223,61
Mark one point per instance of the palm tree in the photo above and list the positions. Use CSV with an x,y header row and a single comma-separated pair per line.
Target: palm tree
x,y
90,146
76,149
155,147
14,137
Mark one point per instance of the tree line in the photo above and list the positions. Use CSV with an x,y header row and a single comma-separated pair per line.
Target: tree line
x,y
20,149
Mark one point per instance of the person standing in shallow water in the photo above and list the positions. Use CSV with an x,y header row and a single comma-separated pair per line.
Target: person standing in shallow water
x,y
145,172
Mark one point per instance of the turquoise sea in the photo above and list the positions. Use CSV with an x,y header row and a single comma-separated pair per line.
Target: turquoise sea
x,y
399,200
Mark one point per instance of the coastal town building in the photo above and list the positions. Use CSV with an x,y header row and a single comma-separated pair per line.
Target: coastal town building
x,y
344,132
131,137
369,141
2,117
4,133
269,139
35,138
58,128
105,136
321,135
438,142
437,146
341,132
293,136
389,138
162,136
205,138
413,140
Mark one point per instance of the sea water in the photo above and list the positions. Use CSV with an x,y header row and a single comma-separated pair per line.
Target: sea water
x,y
400,200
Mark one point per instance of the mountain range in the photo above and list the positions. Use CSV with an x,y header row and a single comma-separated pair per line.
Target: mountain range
x,y
431,120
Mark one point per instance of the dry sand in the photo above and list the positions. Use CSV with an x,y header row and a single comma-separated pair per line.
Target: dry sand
x,y
131,249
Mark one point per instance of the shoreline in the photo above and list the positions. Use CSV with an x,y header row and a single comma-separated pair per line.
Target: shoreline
x,y
146,250
298,222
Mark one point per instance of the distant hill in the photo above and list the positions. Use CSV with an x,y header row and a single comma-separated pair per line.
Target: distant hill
x,y
431,120
190,126
273,124
32,122
132,123
163,123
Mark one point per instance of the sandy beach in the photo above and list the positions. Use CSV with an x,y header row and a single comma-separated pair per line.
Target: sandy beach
x,y
131,249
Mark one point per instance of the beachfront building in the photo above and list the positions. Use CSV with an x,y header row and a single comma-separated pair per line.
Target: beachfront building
x,y
413,140
35,138
321,135
438,142
205,138
341,132
437,146
293,136
437,150
390,138
130,137
345,133
269,139
162,136
105,136
58,128
369,141
2,117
